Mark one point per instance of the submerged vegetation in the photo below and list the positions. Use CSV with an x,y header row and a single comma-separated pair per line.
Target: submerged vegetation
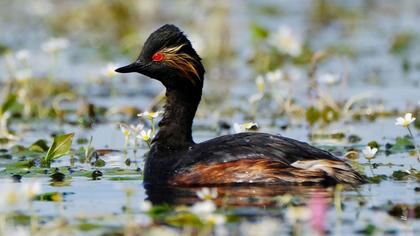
x,y
74,134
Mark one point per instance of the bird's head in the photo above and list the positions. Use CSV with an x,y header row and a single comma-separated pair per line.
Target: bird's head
x,y
169,57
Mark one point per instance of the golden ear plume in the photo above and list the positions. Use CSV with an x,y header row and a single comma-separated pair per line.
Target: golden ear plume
x,y
182,61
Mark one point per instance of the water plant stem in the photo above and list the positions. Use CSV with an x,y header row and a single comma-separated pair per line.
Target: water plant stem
x,y
34,218
207,230
136,144
53,58
371,169
296,230
128,226
153,127
126,144
337,200
414,143
2,224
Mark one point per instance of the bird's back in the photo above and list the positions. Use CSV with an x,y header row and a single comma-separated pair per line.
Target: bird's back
x,y
259,158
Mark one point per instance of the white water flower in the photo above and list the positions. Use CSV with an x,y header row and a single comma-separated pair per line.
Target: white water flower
x,y
406,120
255,98
31,189
203,208
297,214
9,194
23,74
11,197
259,81
22,93
146,135
264,227
287,42
143,220
239,128
214,219
55,44
275,75
23,55
150,115
109,70
328,78
369,152
137,128
17,231
145,206
125,129
162,231
207,193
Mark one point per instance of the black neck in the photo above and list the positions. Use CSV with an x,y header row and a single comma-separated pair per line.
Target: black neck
x,y
175,127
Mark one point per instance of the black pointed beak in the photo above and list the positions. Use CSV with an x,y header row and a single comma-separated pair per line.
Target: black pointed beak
x,y
133,67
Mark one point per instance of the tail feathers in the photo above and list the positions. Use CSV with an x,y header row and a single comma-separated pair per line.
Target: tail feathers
x,y
339,171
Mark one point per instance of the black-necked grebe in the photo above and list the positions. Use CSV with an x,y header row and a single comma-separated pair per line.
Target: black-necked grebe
x,y
244,158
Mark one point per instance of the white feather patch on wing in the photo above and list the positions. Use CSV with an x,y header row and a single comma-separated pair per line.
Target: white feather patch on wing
x,y
315,165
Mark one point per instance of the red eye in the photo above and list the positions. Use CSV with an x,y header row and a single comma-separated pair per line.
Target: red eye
x,y
157,56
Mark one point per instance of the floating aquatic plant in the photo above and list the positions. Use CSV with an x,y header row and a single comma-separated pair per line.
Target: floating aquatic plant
x,y
207,193
54,45
287,41
125,129
405,122
239,128
146,136
369,154
109,71
136,129
61,146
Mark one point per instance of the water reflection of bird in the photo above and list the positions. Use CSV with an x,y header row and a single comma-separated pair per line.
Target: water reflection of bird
x,y
244,158
251,195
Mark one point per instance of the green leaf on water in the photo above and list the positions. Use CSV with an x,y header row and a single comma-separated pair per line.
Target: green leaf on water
x,y
182,219
373,144
125,178
17,166
160,211
401,42
402,144
39,146
100,163
49,197
60,147
399,175
3,48
370,229
88,226
8,103
258,32
17,149
4,140
377,179
352,138
329,115
312,115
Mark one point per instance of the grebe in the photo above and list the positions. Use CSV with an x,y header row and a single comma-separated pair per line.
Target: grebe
x,y
245,158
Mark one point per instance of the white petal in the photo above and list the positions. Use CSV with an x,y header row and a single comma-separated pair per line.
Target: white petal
x,y
399,121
